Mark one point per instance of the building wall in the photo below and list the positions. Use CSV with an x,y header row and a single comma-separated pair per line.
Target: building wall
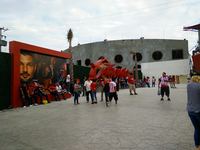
x,y
146,47
173,67
5,76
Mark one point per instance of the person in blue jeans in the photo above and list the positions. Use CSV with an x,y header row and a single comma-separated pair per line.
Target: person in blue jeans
x,y
77,91
106,90
193,107
93,88
87,86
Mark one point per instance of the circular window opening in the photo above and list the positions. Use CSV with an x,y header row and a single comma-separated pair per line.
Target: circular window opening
x,y
118,58
138,56
87,62
157,55
138,66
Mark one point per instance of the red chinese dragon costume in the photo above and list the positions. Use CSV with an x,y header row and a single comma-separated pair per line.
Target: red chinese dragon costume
x,y
103,68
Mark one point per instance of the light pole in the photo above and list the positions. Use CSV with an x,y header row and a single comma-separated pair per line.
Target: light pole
x,y
69,37
136,66
2,42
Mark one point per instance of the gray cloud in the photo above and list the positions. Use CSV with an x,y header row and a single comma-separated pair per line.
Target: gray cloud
x,y
45,23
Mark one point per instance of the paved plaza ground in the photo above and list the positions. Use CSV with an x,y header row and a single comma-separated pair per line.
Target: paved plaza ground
x,y
137,122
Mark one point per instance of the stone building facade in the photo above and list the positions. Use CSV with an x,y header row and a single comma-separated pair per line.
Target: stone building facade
x,y
121,52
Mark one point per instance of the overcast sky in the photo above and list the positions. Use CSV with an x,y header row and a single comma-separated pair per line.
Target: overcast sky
x,y
45,23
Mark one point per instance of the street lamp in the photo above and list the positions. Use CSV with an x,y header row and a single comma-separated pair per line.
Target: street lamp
x,y
136,66
3,42
69,38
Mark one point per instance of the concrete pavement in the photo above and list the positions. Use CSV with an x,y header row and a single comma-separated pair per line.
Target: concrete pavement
x,y
137,122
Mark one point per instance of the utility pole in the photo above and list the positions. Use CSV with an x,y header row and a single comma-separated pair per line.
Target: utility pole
x,y
69,37
2,42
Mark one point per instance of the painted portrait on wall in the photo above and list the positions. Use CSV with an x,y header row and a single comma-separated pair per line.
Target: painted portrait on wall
x,y
36,70
44,68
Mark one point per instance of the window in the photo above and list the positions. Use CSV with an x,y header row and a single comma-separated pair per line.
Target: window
x,y
118,58
177,54
138,55
87,62
157,55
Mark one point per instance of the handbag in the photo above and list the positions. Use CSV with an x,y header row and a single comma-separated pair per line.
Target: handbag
x,y
159,91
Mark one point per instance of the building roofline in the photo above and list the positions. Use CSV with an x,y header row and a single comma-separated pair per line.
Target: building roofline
x,y
125,40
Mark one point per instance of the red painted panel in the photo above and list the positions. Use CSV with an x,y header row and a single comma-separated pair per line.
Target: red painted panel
x,y
15,47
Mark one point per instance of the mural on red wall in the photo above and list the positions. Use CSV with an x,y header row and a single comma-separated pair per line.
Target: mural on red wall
x,y
38,74
41,76
43,68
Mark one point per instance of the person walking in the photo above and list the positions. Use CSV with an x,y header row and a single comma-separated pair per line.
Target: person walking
x,y
101,87
106,90
131,84
193,107
153,81
77,91
148,82
94,91
87,86
164,85
113,91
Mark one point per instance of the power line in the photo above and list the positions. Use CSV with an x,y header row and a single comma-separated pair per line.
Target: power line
x,y
167,4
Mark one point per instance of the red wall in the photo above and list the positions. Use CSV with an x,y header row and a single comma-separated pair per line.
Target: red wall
x,y
196,63
15,47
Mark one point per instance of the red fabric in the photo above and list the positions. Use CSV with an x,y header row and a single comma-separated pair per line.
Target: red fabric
x,y
124,73
67,95
99,74
92,73
52,87
93,86
106,69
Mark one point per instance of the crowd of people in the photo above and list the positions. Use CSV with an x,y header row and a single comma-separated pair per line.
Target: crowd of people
x,y
35,93
41,83
106,86
46,81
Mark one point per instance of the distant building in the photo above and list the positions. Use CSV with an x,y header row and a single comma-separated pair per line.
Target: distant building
x,y
153,55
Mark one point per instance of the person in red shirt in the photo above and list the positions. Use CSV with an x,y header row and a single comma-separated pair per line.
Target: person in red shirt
x,y
164,85
131,84
93,88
